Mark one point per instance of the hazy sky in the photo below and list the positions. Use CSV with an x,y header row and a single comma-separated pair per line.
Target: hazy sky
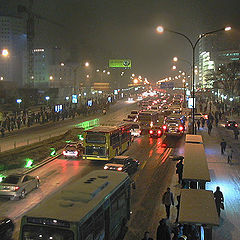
x,y
104,29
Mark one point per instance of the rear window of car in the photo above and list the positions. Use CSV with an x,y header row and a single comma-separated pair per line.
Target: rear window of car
x,y
11,179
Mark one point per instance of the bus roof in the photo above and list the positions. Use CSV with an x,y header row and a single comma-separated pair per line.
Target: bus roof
x,y
197,206
80,197
193,138
195,163
103,129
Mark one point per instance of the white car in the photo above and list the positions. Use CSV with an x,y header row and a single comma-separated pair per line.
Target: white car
x,y
136,130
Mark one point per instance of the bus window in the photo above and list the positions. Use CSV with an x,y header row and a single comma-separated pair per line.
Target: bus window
x,y
87,229
96,138
45,232
98,151
114,139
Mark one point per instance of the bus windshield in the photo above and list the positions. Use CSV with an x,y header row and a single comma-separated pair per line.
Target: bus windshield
x,y
96,138
31,232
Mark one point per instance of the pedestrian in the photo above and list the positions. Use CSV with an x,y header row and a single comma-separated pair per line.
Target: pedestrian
x,y
229,154
203,122
167,200
146,236
163,231
179,170
236,133
178,207
218,196
223,145
209,128
198,124
216,121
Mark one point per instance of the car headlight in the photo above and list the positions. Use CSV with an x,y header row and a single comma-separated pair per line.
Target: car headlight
x,y
105,167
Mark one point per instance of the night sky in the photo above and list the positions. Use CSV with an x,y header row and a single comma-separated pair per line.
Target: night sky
x,y
100,30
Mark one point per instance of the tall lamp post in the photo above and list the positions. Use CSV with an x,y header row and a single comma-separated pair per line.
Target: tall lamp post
x,y
161,29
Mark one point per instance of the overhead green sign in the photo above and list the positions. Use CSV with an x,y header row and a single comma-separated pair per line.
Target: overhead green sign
x,y
120,63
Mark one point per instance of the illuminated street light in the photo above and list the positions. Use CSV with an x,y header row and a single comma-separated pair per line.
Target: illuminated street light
x,y
47,98
135,81
98,70
104,71
51,77
175,59
1,78
174,67
88,76
5,52
133,75
86,64
160,29
62,64
108,73
227,28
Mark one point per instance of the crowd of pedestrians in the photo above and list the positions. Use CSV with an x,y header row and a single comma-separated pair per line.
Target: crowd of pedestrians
x,y
28,118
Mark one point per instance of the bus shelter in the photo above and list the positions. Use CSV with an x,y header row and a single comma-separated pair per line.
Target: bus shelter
x,y
195,170
197,207
193,139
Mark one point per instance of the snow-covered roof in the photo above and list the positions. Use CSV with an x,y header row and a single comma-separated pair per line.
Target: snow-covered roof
x,y
193,138
198,207
80,197
195,163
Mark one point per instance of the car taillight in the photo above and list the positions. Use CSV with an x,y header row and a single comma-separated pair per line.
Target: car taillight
x,y
16,188
236,125
151,131
159,132
229,125
181,128
119,169
164,127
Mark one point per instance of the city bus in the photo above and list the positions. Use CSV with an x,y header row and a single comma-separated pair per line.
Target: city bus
x,y
147,119
96,206
106,142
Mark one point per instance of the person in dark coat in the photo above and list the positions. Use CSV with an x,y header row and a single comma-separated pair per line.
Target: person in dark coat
x,y
218,196
163,231
167,200
179,170
198,124
236,133
223,145
209,128
146,236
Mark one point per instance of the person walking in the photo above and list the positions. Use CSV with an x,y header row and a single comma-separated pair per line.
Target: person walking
x,y
179,170
163,231
198,124
223,145
178,207
203,122
209,128
236,133
146,236
229,154
167,200
218,196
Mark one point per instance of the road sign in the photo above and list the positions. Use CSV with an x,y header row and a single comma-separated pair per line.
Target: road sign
x,y
120,63
190,103
74,99
167,85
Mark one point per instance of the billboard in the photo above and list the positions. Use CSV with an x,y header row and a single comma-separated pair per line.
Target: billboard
x,y
120,63
167,85
74,99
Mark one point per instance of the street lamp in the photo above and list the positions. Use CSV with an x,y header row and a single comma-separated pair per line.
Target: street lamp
x,y
175,59
161,29
5,52
19,101
174,67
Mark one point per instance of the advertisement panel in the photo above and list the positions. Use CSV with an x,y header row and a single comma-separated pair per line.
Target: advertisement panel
x,y
120,63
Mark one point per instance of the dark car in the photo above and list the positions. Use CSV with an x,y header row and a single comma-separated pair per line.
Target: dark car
x,y
231,124
6,228
122,164
155,131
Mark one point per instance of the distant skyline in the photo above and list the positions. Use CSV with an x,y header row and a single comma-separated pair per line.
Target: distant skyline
x,y
99,30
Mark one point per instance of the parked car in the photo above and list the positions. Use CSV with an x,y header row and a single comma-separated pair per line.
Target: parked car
x,y
16,186
122,164
231,124
73,150
6,228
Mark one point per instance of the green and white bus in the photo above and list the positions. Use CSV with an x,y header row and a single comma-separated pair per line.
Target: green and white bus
x,y
95,207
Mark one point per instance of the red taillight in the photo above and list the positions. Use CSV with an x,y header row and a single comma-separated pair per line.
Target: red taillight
x,y
164,127
181,128
159,132
151,131
16,188
236,125
229,125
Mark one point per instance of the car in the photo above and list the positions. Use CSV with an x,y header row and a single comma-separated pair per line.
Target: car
x,y
230,124
16,186
173,128
155,131
6,228
135,112
122,164
136,130
73,150
133,117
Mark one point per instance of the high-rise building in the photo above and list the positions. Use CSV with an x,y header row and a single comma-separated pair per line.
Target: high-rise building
x,y
13,38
